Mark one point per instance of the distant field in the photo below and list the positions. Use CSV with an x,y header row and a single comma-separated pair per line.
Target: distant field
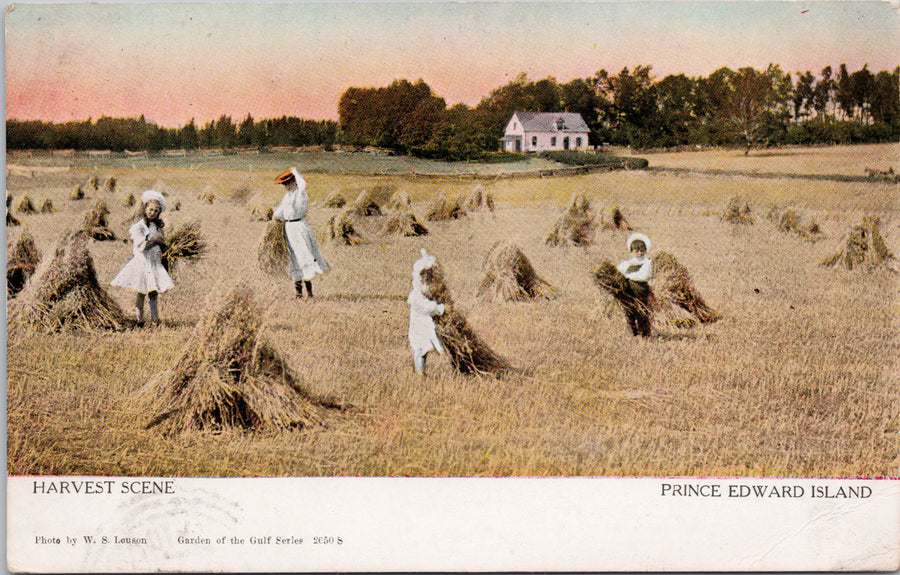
x,y
317,161
798,379
833,160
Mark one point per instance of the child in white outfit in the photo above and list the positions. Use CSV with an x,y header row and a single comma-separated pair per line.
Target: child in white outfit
x,y
422,335
145,273
637,269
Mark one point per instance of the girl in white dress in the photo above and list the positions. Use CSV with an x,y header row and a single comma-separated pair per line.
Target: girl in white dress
x,y
637,269
422,335
306,261
145,273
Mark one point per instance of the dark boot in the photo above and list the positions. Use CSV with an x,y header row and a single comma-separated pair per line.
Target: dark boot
x,y
308,289
298,285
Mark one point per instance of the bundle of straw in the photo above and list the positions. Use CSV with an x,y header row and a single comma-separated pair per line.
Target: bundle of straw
x,y
468,353
865,247
339,229
47,206
737,212
228,376
129,201
260,207
399,200
273,254
617,221
335,199
511,277
95,224
445,208
10,219
207,194
77,193
674,288
21,263
479,198
67,294
366,203
111,184
25,205
575,226
404,224
789,221
183,243
94,182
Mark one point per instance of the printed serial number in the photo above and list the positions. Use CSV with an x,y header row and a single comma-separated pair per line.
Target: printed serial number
x,y
328,540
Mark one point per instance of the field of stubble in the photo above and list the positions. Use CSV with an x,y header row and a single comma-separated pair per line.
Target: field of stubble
x,y
798,379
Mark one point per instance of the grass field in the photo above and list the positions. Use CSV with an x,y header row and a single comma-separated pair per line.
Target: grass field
x,y
798,379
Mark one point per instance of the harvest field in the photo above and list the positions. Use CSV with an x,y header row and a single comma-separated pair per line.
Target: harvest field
x,y
799,377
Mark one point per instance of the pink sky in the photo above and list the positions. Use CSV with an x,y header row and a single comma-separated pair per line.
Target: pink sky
x,y
174,62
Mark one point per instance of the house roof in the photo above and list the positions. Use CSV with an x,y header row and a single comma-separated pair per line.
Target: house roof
x,y
546,121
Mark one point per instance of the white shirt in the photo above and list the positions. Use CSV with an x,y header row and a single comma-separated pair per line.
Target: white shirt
x,y
638,268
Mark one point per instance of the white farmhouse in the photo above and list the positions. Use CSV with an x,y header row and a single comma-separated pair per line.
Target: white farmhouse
x,y
541,131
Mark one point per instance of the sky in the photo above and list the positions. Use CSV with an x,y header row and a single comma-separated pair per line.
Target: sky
x,y
172,62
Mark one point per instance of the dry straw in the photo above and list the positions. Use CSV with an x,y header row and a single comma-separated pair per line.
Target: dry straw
x,y
340,229
129,201
273,253
260,208
399,200
511,277
95,224
575,226
617,221
228,376
25,205
111,184
675,291
366,203
738,212
10,219
94,182
789,221
404,224
335,199
468,353
864,248
480,199
77,193
184,243
207,194
67,294
21,263
47,206
445,208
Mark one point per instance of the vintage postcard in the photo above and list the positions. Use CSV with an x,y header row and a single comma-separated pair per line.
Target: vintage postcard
x,y
445,286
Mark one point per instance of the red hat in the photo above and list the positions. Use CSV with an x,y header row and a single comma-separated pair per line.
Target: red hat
x,y
284,177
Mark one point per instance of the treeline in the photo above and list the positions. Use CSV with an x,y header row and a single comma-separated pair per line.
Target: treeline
x,y
119,134
744,107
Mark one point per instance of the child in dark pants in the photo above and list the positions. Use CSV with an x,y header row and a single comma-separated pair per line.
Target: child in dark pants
x,y
637,270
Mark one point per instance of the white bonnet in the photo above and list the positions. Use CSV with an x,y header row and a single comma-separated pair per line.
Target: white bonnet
x,y
154,195
423,263
638,236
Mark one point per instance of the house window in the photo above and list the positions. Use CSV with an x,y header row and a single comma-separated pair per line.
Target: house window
x,y
552,140
560,124
534,140
577,142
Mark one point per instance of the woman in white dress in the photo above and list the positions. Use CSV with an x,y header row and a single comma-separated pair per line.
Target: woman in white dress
x,y
145,273
306,261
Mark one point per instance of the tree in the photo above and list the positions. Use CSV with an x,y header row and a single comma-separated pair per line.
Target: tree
x,y
822,93
803,97
861,84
